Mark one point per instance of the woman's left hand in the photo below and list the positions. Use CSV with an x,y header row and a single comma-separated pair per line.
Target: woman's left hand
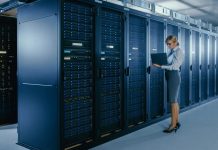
x,y
156,65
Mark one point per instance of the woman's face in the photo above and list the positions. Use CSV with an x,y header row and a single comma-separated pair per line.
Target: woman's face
x,y
171,44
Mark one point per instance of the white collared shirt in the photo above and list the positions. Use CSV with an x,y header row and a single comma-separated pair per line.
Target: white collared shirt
x,y
175,59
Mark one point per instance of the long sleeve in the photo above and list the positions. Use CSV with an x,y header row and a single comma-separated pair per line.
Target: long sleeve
x,y
177,61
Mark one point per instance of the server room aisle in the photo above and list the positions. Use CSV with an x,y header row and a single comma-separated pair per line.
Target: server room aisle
x,y
8,138
198,132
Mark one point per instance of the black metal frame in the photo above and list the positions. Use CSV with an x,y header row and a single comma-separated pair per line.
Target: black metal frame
x,y
8,91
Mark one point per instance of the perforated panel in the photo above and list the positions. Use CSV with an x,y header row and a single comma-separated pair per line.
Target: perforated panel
x,y
137,64
110,70
78,70
156,75
216,65
172,30
204,63
184,87
212,66
195,66
8,70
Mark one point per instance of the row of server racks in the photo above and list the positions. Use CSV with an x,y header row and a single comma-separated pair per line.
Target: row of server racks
x,y
8,70
85,74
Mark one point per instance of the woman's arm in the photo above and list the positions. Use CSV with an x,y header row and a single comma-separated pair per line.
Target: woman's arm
x,y
176,62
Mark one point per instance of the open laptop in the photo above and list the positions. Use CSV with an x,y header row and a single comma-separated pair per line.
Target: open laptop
x,y
159,58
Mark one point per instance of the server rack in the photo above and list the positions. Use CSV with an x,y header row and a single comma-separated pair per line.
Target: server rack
x,y
83,79
79,72
8,70
185,72
137,70
171,30
195,67
211,66
216,66
204,66
157,30
110,70
215,59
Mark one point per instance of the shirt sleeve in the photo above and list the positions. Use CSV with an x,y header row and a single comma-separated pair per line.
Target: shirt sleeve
x,y
176,62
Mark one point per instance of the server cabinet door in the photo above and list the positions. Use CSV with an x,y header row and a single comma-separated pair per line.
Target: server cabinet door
x,y
185,72
156,74
78,70
137,70
211,66
172,30
195,66
110,72
216,65
8,70
204,64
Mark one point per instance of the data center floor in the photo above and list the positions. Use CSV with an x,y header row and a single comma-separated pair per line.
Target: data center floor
x,y
198,132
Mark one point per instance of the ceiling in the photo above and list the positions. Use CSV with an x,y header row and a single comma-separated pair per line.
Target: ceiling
x,y
2,1
11,12
206,10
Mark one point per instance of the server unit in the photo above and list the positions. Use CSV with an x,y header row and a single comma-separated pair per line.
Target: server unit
x,y
204,66
137,70
8,70
211,66
156,75
171,30
78,70
184,97
110,69
195,67
216,66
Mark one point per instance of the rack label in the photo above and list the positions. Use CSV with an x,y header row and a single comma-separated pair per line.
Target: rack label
x,y
77,44
3,52
110,46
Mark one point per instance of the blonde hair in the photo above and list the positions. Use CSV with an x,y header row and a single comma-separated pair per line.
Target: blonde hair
x,y
172,38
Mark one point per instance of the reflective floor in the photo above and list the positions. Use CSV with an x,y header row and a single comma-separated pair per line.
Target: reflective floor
x,y
199,131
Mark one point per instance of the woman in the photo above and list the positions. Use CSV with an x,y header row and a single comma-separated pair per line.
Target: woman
x,y
173,78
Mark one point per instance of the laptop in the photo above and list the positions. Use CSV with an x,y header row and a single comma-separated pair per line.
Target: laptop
x,y
159,58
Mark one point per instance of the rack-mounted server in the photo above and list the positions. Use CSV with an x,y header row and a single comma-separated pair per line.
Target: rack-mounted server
x,y
8,70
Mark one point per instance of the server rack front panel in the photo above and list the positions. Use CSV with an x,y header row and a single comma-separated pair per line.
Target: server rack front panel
x,y
110,71
216,65
137,70
78,63
8,70
211,66
204,66
156,74
195,66
171,30
185,78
